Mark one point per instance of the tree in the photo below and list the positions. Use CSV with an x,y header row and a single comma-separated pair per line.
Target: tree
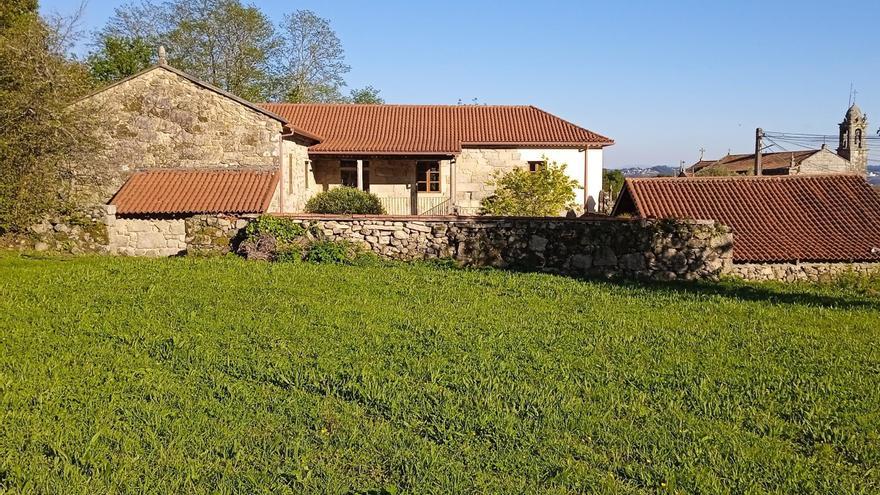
x,y
224,43
612,182
367,95
40,132
547,191
312,63
12,12
119,58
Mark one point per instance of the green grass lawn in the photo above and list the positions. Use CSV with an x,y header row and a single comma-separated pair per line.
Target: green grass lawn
x,y
223,376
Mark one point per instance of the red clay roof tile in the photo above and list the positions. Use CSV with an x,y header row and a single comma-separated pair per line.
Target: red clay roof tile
x,y
429,129
196,191
774,219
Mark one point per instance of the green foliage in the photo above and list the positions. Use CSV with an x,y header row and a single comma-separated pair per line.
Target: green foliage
x,y
715,172
366,96
218,375
236,47
519,192
40,133
326,251
12,12
612,182
118,58
284,230
345,200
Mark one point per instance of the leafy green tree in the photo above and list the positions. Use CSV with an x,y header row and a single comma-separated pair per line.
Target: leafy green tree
x,y
224,43
233,46
312,65
119,58
612,182
367,95
547,191
40,133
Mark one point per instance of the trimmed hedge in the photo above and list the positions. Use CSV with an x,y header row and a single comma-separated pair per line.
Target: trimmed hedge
x,y
345,200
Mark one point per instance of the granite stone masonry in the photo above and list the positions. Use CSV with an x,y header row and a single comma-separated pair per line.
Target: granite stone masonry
x,y
593,246
795,272
163,120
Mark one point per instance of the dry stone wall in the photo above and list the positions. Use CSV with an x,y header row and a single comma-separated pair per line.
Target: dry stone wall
x,y
214,234
794,272
593,246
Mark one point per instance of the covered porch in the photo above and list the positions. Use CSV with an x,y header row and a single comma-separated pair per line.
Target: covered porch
x,y
405,184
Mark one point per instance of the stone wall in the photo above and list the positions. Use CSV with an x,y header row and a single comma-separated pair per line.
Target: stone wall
x,y
154,237
214,234
792,272
475,167
596,246
162,120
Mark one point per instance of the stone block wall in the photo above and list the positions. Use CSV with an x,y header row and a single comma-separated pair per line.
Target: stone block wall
x,y
475,167
594,246
162,120
793,272
154,237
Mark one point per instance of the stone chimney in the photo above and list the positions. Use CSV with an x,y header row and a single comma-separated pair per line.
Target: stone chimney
x,y
162,59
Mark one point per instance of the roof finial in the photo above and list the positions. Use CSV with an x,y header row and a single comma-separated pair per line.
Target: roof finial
x,y
162,59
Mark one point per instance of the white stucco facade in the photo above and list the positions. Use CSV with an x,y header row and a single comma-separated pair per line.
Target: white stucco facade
x,y
583,166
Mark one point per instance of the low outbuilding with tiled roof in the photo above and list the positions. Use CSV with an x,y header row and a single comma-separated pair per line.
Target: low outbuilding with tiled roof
x,y
820,218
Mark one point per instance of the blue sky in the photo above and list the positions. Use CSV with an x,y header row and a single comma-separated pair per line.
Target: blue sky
x,y
662,78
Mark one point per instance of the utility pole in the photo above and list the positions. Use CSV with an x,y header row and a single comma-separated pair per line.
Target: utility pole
x,y
759,146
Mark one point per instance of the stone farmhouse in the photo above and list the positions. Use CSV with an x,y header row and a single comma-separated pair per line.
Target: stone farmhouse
x,y
851,156
418,159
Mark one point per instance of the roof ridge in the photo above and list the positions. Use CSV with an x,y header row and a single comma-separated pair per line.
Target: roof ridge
x,y
745,177
408,105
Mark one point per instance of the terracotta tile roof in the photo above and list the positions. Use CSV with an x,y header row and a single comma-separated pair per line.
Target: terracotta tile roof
x,y
196,191
745,163
775,218
429,129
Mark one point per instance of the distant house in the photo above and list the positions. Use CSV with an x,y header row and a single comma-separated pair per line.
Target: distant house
x,y
819,218
851,156
231,153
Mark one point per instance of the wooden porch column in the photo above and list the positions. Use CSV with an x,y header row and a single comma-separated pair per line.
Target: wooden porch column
x,y
360,172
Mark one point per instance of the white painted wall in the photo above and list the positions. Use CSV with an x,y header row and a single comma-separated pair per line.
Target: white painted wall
x,y
583,166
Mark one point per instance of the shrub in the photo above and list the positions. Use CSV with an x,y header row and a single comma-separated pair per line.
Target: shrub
x,y
284,230
545,192
331,252
345,200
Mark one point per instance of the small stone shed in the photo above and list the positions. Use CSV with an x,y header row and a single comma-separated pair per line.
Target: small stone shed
x,y
801,227
169,212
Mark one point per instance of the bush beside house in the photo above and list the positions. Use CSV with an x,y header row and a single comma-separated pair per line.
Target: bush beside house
x,y
544,192
345,200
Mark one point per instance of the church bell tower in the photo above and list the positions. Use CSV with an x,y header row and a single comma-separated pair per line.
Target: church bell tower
x,y
853,143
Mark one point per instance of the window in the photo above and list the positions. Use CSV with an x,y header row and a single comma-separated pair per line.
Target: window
x,y
428,176
349,174
858,138
536,165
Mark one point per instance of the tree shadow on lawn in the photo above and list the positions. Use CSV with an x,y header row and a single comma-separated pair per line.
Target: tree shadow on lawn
x,y
824,295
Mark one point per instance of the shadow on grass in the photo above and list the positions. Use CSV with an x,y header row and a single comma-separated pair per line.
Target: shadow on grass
x,y
852,292
825,294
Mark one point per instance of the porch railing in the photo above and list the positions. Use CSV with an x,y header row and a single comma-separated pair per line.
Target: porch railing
x,y
426,205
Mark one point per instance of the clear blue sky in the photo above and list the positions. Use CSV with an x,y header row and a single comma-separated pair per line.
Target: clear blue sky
x,y
662,78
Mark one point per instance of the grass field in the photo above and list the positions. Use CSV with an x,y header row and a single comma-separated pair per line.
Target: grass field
x,y
222,376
